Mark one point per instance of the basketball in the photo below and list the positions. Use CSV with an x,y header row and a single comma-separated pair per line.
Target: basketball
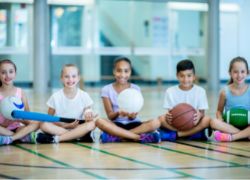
x,y
130,100
182,116
9,104
237,117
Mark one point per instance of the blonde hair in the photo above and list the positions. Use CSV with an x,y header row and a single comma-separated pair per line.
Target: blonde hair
x,y
70,65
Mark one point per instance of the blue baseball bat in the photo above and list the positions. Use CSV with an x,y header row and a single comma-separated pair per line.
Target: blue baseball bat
x,y
41,117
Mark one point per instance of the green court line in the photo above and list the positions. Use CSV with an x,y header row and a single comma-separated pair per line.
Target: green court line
x,y
137,161
211,149
190,154
216,144
58,162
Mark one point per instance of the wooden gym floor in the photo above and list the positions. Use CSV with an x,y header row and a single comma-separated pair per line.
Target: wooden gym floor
x,y
174,160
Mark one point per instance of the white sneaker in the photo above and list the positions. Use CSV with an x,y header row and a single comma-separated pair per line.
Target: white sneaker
x,y
95,135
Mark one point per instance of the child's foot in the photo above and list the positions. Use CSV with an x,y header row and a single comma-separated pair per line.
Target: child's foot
x,y
106,138
221,137
168,135
30,138
44,138
153,137
4,140
96,135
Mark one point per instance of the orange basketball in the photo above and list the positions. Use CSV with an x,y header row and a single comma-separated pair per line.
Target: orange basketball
x,y
183,116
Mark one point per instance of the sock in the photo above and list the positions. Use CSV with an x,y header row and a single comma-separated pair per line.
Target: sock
x,y
29,138
6,140
25,139
56,139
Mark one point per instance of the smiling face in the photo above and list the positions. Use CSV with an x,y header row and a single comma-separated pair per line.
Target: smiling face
x,y
7,73
186,79
238,72
122,72
70,76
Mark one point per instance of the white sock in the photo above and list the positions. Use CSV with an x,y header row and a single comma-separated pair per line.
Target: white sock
x,y
56,139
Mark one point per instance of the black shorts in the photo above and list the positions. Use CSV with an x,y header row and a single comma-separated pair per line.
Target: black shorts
x,y
86,138
128,126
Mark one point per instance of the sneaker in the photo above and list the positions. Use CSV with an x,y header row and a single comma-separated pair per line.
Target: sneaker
x,y
44,138
33,137
4,140
30,138
221,137
153,137
96,135
209,133
106,138
168,135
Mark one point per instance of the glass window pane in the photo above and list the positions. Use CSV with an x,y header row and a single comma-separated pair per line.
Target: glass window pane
x,y
66,25
16,41
14,22
115,22
3,27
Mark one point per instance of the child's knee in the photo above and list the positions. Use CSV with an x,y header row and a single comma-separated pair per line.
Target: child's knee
x,y
44,126
100,123
213,123
205,122
35,124
91,125
156,123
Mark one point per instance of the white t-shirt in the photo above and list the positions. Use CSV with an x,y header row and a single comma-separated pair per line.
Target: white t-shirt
x,y
196,97
70,108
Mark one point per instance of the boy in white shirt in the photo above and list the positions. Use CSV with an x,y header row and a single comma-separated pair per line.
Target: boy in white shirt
x,y
185,92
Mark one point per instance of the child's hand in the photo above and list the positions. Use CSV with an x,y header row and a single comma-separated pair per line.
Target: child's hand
x,y
71,125
127,114
132,116
123,114
197,117
89,115
168,117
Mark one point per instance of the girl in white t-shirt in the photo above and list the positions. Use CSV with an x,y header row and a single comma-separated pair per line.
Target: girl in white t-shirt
x,y
185,92
69,102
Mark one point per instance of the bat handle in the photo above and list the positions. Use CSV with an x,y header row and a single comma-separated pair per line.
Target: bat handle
x,y
70,120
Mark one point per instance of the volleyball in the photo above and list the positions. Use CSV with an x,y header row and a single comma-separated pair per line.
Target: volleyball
x,y
9,104
130,100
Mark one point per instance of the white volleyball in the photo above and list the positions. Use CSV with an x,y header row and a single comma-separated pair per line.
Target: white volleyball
x,y
130,100
9,104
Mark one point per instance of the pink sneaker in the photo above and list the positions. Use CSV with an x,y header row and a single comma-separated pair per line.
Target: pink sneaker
x,y
222,137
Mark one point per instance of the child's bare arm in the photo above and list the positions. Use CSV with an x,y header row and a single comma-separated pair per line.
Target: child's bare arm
x,y
221,104
168,116
108,109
